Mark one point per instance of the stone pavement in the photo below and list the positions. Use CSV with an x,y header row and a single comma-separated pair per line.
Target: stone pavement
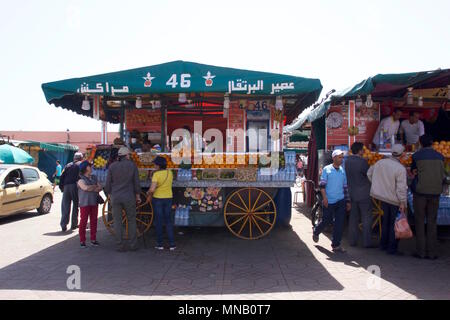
x,y
209,263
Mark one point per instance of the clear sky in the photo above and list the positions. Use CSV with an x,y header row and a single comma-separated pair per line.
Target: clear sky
x,y
339,42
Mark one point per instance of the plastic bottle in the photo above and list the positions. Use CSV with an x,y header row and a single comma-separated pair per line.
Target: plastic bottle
x,y
187,215
177,216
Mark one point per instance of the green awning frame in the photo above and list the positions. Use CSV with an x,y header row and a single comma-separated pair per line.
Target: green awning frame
x,y
165,81
59,147
379,86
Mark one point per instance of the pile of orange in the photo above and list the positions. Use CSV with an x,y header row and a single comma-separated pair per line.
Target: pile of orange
x,y
224,161
372,157
442,147
135,158
406,160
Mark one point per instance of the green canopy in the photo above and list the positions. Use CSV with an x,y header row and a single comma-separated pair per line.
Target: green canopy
x,y
13,155
164,81
396,85
55,147
379,86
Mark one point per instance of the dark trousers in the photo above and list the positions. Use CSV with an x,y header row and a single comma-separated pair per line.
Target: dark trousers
x,y
129,206
426,207
69,199
361,209
162,209
388,241
334,211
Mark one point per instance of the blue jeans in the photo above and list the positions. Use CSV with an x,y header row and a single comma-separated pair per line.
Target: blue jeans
x,y
388,241
336,211
162,209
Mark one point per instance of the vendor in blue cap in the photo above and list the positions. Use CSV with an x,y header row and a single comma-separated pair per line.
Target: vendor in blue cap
x,y
336,200
161,194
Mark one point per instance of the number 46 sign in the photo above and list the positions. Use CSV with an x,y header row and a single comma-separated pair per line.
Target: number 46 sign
x,y
185,81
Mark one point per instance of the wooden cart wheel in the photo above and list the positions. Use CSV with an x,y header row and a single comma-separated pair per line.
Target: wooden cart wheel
x,y
377,213
250,213
144,217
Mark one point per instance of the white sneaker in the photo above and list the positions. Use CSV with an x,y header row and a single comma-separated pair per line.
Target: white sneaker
x,y
159,248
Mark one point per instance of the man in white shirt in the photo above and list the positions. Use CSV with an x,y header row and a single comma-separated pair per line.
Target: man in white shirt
x,y
389,126
412,128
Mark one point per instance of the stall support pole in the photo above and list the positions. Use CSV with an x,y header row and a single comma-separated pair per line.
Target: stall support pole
x,y
122,120
163,129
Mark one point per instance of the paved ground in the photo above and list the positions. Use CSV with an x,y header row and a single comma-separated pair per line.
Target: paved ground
x,y
209,264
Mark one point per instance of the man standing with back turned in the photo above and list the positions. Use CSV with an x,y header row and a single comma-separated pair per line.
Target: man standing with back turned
x,y
428,166
68,185
123,186
356,168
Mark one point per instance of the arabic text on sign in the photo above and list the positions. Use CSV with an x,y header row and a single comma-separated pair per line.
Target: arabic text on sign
x,y
100,89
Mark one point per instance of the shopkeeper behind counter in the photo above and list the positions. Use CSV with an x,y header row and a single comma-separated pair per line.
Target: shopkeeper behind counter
x,y
389,126
412,129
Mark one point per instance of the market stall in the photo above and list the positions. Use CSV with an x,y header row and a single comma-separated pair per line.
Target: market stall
x,y
235,173
355,115
46,154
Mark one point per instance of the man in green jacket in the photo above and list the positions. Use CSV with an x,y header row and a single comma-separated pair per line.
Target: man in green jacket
x,y
428,167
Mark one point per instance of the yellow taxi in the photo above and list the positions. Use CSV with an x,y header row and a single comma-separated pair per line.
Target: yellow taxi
x,y
24,188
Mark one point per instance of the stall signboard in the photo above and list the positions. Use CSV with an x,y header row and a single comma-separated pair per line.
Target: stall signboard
x,y
144,120
337,126
347,124
236,122
366,120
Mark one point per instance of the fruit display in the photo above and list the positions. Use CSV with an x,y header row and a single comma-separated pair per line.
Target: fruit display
x,y
442,147
247,174
406,160
135,158
146,159
371,157
210,175
226,174
100,162
101,158
90,153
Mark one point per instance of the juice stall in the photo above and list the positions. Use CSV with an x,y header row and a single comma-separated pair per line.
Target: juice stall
x,y
355,114
220,130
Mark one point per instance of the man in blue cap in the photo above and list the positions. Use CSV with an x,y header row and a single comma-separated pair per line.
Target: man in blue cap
x,y
333,185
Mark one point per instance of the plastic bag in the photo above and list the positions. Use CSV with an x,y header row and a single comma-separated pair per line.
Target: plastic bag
x,y
401,227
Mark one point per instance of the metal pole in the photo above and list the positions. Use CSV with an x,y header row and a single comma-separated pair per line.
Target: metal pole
x,y
163,129
122,120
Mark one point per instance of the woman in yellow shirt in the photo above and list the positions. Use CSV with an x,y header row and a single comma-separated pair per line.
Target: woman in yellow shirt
x,y
161,194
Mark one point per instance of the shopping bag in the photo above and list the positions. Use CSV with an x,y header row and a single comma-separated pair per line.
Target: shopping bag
x,y
401,227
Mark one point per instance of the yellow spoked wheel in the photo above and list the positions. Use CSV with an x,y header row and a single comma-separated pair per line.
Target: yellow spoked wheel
x,y
250,213
377,213
144,217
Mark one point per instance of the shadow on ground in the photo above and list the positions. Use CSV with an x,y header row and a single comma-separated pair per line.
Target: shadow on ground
x,y
207,261
426,279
